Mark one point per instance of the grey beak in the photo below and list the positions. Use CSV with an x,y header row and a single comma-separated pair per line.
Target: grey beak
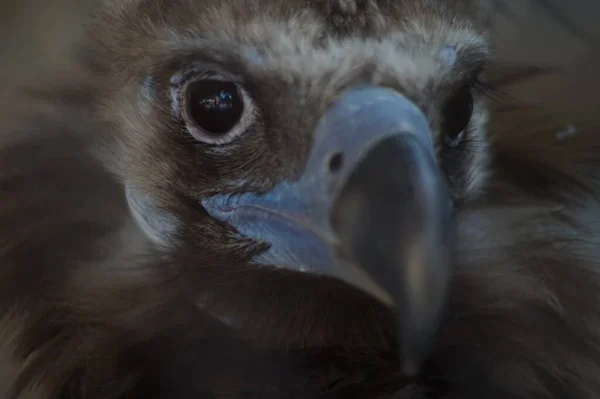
x,y
371,208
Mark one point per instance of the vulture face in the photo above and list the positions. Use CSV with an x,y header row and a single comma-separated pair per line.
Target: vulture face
x,y
328,137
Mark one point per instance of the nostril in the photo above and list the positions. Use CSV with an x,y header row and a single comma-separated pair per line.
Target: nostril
x,y
335,162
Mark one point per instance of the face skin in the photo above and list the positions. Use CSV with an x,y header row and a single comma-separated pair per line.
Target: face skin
x,y
287,176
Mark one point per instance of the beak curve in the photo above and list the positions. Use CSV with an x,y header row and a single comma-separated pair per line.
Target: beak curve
x,y
392,220
371,208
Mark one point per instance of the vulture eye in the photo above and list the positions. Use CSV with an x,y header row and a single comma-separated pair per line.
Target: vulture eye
x,y
215,111
457,113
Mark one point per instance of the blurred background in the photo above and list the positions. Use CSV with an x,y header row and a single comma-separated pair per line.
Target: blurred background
x,y
548,51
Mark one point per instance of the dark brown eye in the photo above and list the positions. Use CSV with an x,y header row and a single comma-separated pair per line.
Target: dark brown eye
x,y
457,112
215,111
215,106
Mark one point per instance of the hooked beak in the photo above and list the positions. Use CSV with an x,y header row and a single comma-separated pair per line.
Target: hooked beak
x,y
370,208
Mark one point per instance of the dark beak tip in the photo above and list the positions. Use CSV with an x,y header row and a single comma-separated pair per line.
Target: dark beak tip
x,y
398,233
414,351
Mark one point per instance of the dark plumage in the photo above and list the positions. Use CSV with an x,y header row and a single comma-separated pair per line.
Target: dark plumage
x,y
92,307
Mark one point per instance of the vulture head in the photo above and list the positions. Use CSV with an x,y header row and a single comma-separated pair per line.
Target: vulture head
x,y
315,178
326,138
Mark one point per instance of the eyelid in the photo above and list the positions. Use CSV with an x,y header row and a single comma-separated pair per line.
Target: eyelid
x,y
207,71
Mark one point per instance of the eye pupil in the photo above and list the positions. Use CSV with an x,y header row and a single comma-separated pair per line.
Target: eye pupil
x,y
215,106
457,112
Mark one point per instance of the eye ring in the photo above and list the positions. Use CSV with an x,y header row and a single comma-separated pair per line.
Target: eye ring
x,y
205,93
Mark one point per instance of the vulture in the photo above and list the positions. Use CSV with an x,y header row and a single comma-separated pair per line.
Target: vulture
x,y
300,199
